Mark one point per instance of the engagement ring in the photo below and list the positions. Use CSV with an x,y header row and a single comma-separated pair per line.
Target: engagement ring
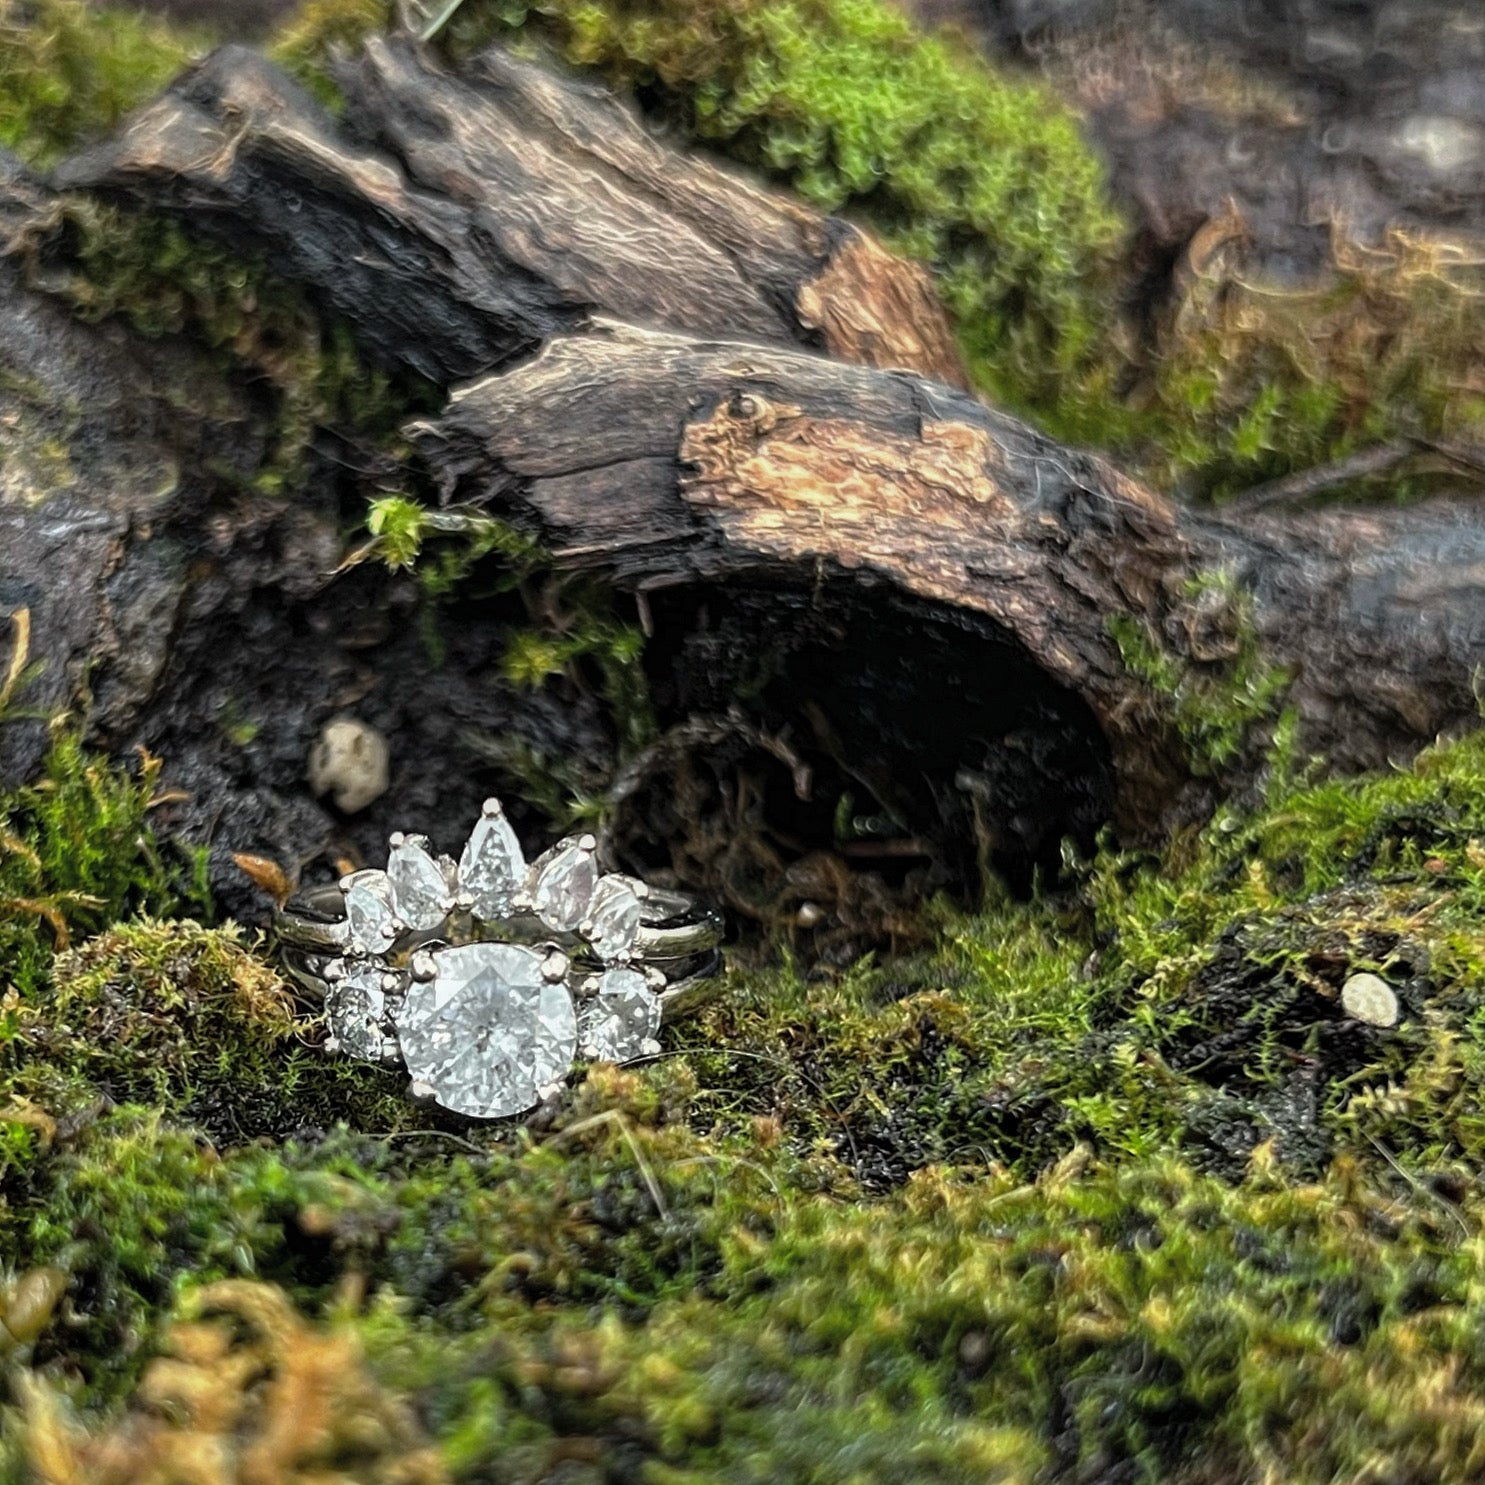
x,y
488,977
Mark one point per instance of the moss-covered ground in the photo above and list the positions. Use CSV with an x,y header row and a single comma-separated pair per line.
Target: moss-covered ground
x,y
1103,1187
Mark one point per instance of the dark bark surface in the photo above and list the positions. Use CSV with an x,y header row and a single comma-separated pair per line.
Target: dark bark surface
x,y
461,221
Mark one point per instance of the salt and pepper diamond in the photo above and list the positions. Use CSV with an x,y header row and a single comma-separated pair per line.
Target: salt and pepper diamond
x,y
420,891
563,882
492,868
618,1023
490,1034
371,919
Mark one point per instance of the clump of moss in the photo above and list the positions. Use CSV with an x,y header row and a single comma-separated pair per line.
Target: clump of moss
x,y
172,1015
1218,694
166,281
69,71
77,853
245,1382
1252,380
318,29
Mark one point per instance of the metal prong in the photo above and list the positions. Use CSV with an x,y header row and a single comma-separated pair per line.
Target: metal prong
x,y
391,982
330,1045
587,842
424,967
555,966
334,970
491,808
421,1092
397,838
656,980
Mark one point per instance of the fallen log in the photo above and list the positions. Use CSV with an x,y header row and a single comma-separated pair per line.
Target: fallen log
x,y
955,590
460,221
989,639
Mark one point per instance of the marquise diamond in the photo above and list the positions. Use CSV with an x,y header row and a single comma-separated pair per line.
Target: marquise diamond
x,y
489,1034
619,1023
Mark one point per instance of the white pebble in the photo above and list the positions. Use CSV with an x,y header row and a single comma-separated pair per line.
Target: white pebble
x,y
349,761
1371,999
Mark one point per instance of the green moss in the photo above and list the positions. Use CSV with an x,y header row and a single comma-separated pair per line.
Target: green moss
x,y
77,853
69,71
320,27
467,552
1253,380
165,281
1216,696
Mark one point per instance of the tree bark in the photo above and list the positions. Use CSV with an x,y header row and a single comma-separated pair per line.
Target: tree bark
x,y
459,222
669,464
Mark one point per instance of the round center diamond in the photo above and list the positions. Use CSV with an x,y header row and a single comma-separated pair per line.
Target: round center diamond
x,y
419,892
619,1023
488,1034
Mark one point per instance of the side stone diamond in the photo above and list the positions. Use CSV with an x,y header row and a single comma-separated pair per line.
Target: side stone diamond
x,y
614,921
492,866
355,1011
563,882
619,1023
370,916
488,1034
419,892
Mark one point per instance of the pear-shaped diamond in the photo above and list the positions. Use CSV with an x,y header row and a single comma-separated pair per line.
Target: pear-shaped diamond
x,y
489,1034
419,892
619,1023
614,920
369,913
492,866
563,882
355,1009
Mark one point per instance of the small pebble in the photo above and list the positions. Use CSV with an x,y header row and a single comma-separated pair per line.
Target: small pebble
x,y
1371,999
349,762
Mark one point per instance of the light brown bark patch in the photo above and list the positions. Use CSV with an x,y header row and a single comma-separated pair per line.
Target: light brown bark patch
x,y
881,311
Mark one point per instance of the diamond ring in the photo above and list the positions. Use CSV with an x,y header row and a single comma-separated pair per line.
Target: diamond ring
x,y
487,977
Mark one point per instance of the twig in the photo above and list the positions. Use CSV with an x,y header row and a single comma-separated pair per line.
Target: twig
x,y
20,653
1418,1185
433,27
1379,459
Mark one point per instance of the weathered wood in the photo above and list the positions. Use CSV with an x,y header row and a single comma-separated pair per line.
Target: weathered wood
x,y
458,222
668,463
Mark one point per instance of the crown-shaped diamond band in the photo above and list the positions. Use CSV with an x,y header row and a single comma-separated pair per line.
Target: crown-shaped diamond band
x,y
487,977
